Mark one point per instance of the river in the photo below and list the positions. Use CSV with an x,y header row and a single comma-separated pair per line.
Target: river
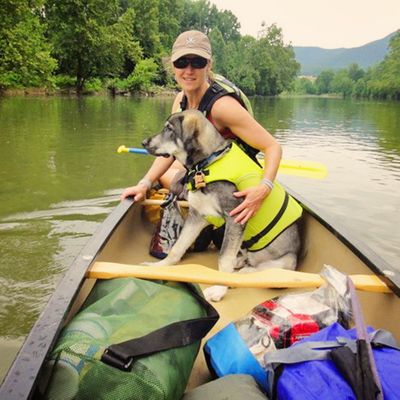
x,y
60,176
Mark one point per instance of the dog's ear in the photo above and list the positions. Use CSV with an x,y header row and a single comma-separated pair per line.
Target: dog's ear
x,y
191,124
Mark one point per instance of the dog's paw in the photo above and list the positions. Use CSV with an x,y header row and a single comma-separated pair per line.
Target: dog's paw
x,y
215,293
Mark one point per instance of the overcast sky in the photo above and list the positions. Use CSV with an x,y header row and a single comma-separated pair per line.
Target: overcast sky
x,y
322,23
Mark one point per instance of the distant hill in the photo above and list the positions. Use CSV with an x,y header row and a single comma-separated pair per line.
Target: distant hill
x,y
315,59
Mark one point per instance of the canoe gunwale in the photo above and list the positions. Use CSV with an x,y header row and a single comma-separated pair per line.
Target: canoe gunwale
x,y
18,383
386,272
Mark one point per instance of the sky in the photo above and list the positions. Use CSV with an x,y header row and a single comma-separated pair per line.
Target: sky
x,y
322,23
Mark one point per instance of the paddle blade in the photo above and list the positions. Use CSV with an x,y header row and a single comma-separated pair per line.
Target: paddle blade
x,y
306,169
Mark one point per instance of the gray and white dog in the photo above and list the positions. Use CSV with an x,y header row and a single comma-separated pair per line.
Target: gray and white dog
x,y
191,138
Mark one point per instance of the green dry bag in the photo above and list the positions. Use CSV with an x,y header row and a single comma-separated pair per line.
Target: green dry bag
x,y
132,339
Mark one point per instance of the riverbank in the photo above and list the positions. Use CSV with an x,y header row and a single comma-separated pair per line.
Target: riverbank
x,y
32,91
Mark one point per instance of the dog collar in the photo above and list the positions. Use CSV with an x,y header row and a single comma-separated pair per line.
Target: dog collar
x,y
195,175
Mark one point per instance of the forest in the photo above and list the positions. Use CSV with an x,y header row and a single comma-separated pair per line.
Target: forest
x,y
123,46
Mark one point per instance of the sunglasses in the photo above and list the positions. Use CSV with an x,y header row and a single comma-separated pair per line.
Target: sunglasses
x,y
195,62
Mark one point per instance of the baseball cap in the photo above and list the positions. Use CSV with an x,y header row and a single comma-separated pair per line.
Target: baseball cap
x,y
191,42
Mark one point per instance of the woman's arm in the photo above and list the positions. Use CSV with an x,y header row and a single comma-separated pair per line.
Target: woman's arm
x,y
228,113
159,168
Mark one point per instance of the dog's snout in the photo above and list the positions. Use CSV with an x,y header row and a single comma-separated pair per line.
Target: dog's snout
x,y
146,142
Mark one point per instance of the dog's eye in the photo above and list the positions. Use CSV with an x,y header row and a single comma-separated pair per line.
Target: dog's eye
x,y
170,131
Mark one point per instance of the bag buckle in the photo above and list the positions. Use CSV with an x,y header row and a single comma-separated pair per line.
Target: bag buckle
x,y
115,360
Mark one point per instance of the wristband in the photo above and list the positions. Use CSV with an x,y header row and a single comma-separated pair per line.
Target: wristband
x,y
146,182
267,182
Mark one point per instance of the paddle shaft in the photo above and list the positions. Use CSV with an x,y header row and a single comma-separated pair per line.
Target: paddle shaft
x,y
269,278
306,169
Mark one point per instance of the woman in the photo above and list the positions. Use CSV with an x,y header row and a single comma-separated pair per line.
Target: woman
x,y
191,58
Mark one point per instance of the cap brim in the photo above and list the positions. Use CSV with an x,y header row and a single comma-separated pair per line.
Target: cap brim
x,y
186,52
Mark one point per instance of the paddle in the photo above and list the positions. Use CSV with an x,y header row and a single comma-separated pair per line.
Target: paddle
x,y
306,169
269,278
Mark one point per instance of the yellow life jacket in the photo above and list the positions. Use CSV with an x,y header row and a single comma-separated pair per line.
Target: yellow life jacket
x,y
277,212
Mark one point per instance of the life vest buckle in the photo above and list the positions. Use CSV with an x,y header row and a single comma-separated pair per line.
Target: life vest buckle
x,y
199,181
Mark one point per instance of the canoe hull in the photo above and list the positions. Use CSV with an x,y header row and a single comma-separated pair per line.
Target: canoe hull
x,y
124,238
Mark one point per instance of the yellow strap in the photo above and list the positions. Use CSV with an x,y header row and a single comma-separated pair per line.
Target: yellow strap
x,y
269,278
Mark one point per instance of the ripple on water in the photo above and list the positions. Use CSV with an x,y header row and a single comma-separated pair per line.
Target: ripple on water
x,y
37,247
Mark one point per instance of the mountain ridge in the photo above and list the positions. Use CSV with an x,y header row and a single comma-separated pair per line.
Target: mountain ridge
x,y
314,59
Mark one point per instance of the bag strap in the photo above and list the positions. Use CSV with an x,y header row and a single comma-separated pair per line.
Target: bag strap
x,y
176,334
367,385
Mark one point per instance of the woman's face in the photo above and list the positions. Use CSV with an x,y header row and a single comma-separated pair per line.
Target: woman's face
x,y
190,78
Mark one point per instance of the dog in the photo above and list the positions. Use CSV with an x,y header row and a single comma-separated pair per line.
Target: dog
x,y
192,140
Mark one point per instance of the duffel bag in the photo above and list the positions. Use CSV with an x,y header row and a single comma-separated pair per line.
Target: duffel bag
x,y
310,370
335,363
132,339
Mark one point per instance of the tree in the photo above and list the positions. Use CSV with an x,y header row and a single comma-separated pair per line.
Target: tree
x,y
304,85
204,17
89,37
196,15
169,22
145,28
25,55
324,81
355,72
385,78
227,24
144,75
341,83
275,62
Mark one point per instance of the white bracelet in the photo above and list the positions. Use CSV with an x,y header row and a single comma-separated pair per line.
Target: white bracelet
x,y
146,182
267,182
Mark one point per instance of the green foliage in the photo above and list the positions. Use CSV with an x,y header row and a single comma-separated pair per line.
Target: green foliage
x,y
25,54
324,81
170,17
90,39
93,85
342,83
144,28
64,81
304,86
384,80
143,77
274,61
204,17
125,45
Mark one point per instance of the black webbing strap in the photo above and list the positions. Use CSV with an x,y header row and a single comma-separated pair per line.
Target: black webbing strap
x,y
177,334
213,93
253,240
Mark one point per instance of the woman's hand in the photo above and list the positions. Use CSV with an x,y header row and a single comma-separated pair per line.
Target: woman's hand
x,y
138,192
253,197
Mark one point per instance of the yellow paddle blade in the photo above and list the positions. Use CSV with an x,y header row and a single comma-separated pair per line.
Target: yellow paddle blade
x,y
269,278
306,169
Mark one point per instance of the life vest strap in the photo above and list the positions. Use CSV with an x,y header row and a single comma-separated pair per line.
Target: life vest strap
x,y
253,240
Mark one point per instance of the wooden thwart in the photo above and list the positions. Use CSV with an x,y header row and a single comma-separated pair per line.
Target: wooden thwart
x,y
269,278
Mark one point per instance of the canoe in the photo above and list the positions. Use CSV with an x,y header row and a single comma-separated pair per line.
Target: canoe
x,y
124,237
